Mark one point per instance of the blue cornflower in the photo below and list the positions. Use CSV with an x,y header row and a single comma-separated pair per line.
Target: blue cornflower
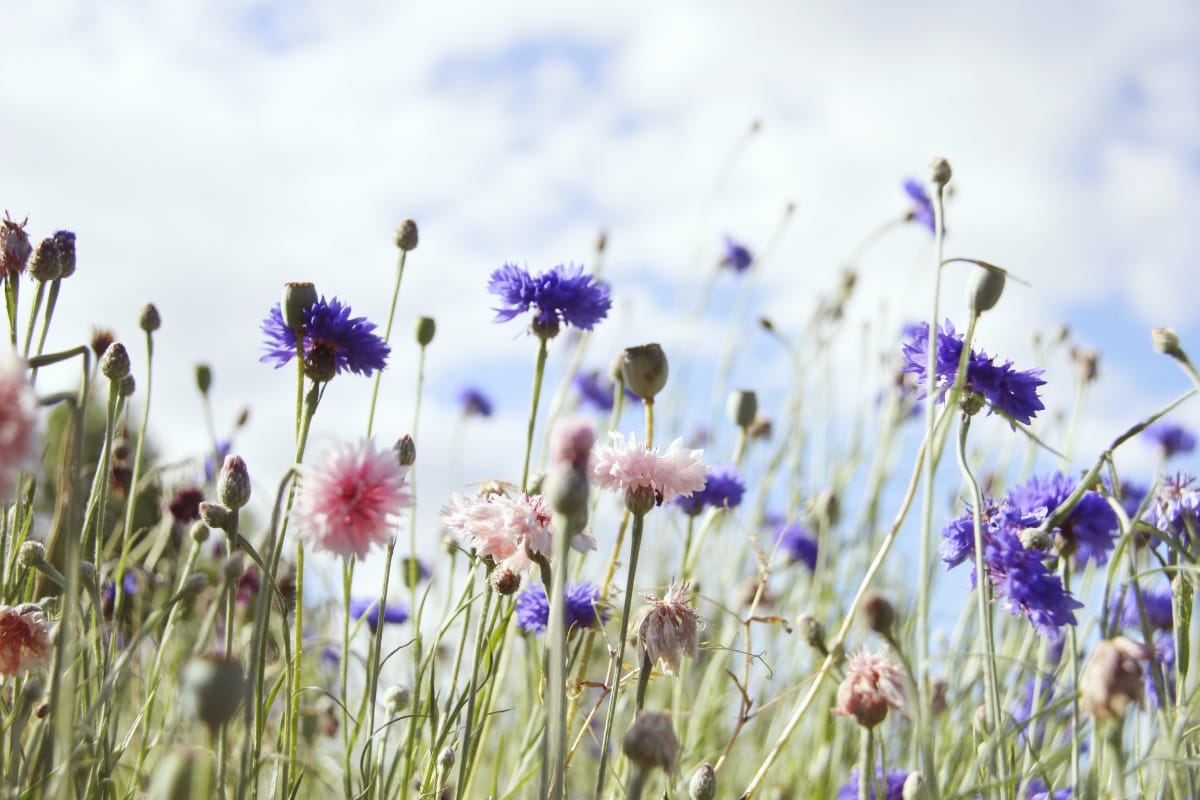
x,y
475,403
393,613
736,256
922,207
108,594
1176,507
332,339
560,295
722,489
1162,661
1037,790
1089,529
1156,603
1171,438
1011,392
583,611
1031,729
794,540
893,788
596,390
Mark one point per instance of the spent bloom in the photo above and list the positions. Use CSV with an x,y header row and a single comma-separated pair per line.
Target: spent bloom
x,y
1113,678
625,466
562,295
475,403
893,785
582,607
1171,439
922,206
25,640
393,613
506,528
19,438
736,256
873,683
1088,532
669,628
722,489
350,499
1013,393
334,342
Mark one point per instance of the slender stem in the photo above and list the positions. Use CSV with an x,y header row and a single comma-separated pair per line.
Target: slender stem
x,y
387,335
1073,658
33,312
538,370
464,753
635,544
131,502
553,771
866,770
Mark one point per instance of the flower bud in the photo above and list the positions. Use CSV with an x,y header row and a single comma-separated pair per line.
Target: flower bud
x,y
233,485
126,386
32,554
212,689
215,515
297,298
742,406
1034,539
426,328
704,783
406,450
879,613
194,584
149,320
15,248
650,741
412,571
939,172
504,581
406,236
1165,341
114,364
812,632
198,532
984,287
1112,678
396,699
45,265
640,499
446,758
203,378
644,370
100,341
64,243
233,568
566,490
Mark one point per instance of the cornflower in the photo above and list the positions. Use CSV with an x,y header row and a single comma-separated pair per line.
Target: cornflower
x,y
475,403
26,644
581,604
562,295
393,613
921,211
737,257
722,489
1088,532
1171,439
334,342
627,467
506,528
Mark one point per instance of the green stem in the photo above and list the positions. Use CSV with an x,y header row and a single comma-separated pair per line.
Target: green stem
x,y
553,764
33,312
131,502
866,770
538,371
387,334
464,753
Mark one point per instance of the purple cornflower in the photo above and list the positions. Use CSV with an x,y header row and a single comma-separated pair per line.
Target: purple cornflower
x,y
1019,577
893,788
1037,790
1011,392
1090,528
560,295
393,613
595,390
722,489
213,461
736,256
922,207
1162,662
794,540
1175,509
533,609
1156,603
1171,438
331,335
475,403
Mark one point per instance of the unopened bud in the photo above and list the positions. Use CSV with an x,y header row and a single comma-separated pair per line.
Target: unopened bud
x,y
396,699
198,532
1165,341
114,364
426,328
984,287
45,265
126,386
212,689
939,172
406,450
215,515
233,568
446,758
64,242
704,783
879,613
650,741
406,236
233,485
566,490
149,320
203,378
504,581
194,584
644,370
297,298
742,406
812,632
32,554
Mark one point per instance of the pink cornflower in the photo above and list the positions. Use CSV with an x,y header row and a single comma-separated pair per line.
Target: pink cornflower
x,y
873,682
350,500
668,630
506,528
19,438
25,640
626,466
571,441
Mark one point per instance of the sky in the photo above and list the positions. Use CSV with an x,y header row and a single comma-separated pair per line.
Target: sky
x,y
207,152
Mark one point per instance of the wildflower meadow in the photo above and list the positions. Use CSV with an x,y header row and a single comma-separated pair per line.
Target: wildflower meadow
x,y
676,587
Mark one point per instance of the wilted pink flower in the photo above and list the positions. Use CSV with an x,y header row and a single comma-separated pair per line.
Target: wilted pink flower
x,y
873,683
24,639
668,630
350,500
625,466
1112,678
18,424
506,528
571,441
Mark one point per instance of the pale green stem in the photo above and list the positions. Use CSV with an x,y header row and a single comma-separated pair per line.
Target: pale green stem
x,y
866,769
131,502
387,334
538,371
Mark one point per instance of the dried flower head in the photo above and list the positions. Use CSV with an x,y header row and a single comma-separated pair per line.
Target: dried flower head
x,y
669,628
25,640
1112,678
15,248
873,683
650,742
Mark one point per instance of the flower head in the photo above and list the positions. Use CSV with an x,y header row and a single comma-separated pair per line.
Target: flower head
x,y
185,504
1175,509
722,489
15,248
25,640
596,390
562,295
796,542
893,785
873,683
1171,439
1155,603
1010,392
393,613
506,528
668,630
334,342
475,403
626,466
582,607
736,256
922,207
1089,530
350,500
19,438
